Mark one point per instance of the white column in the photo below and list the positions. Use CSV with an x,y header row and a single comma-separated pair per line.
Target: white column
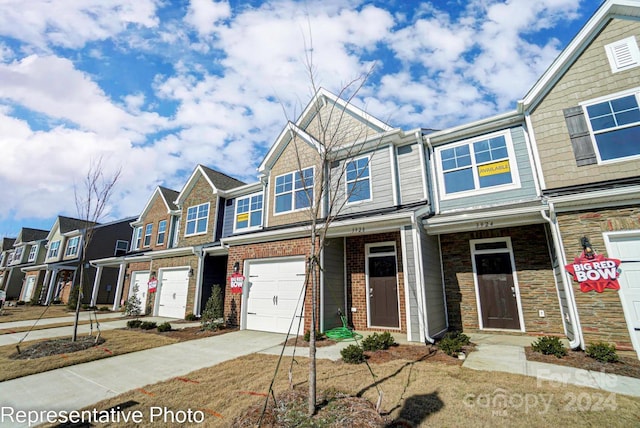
x,y
52,281
119,286
96,286
47,273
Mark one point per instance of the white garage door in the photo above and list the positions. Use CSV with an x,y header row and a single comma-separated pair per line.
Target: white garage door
x,y
274,295
29,286
627,249
141,279
174,286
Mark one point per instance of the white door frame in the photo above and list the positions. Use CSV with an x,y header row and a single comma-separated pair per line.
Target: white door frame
x,y
608,245
508,249
367,255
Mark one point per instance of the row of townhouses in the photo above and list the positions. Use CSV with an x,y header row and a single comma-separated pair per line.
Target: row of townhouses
x,y
470,228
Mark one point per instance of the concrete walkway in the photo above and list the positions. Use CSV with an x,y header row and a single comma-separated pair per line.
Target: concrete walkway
x,y
83,316
502,353
47,333
78,386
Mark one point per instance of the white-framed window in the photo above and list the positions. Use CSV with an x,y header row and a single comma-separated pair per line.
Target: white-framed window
x,y
72,246
121,247
33,253
294,191
137,238
478,165
2,259
54,248
614,124
248,212
197,219
148,230
17,255
358,180
162,232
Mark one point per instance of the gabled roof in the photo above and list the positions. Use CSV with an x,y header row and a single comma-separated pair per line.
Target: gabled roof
x,y
7,243
608,10
168,197
216,179
67,224
28,234
321,97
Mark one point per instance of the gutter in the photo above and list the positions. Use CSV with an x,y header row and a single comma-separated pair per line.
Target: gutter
x,y
199,252
578,339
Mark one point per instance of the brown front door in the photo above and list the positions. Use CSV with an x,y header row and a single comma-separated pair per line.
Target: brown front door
x,y
383,291
497,291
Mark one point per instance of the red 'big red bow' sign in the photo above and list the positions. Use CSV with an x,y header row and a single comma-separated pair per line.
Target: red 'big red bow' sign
x,y
237,279
595,273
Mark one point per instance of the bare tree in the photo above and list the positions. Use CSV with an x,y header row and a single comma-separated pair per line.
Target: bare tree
x,y
92,199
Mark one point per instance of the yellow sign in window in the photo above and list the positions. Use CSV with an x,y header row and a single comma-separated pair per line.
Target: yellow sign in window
x,y
494,168
242,217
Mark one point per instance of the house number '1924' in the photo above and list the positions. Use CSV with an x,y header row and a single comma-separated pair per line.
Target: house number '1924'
x,y
357,230
483,224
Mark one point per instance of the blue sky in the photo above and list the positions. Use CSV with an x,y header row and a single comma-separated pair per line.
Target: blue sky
x,y
155,87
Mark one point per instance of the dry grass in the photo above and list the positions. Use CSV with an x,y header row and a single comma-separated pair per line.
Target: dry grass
x,y
117,342
42,327
415,393
28,312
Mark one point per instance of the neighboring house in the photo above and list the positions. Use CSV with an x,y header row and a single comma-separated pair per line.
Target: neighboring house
x,y
497,271
379,267
62,262
5,254
584,119
28,250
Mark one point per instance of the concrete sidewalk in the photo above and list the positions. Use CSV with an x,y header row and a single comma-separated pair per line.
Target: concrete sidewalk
x,y
84,316
78,386
48,333
502,353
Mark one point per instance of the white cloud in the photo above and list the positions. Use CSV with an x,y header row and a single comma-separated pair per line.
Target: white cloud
x,y
203,14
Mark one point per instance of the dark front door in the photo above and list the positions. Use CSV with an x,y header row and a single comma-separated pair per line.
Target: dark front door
x,y
497,291
383,292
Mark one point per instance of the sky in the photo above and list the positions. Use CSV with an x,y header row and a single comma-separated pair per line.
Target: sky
x,y
154,87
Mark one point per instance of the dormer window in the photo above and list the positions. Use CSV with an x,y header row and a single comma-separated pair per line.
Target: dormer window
x,y
294,191
54,248
72,247
33,253
197,219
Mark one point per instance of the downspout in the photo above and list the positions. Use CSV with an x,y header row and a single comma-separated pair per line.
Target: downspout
x,y
420,295
198,251
568,289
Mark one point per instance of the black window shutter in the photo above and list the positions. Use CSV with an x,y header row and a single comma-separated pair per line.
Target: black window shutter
x,y
580,138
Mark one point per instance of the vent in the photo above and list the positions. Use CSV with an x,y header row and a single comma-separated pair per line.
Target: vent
x,y
623,54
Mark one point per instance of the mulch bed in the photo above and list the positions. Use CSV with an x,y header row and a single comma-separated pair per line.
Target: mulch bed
x,y
429,353
188,333
625,367
300,342
56,347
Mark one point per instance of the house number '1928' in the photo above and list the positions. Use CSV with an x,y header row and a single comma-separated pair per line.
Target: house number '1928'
x,y
357,230
483,224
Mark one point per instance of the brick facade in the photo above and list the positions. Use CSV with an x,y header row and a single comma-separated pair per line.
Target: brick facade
x,y
155,214
601,314
200,193
534,272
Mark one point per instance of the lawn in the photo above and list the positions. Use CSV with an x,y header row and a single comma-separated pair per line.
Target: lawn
x,y
418,392
116,342
28,312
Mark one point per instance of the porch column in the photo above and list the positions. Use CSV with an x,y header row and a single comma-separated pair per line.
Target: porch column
x,y
119,286
198,293
45,288
52,280
96,286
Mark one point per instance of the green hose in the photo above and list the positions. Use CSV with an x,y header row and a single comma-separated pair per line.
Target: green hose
x,y
343,333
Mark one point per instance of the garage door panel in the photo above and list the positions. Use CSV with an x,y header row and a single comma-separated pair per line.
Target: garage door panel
x,y
174,287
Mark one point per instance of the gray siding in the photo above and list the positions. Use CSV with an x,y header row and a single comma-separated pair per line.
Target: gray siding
x,y
433,287
413,312
410,174
527,190
227,222
381,182
333,292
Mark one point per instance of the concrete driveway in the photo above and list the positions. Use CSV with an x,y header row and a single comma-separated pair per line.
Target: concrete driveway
x,y
78,386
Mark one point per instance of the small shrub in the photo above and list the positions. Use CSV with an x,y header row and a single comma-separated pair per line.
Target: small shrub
x,y
352,354
213,314
85,306
191,317
602,352
459,336
104,309
133,305
549,345
165,326
377,341
134,324
56,301
450,346
148,325
20,303
319,335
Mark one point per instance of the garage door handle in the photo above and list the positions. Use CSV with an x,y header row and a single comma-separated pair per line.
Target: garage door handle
x,y
251,313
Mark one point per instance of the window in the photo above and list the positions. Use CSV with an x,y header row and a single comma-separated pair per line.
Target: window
x,y
615,126
121,247
17,255
197,217
33,253
478,165
53,249
148,229
10,258
294,191
358,180
162,232
2,259
248,212
72,246
137,238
